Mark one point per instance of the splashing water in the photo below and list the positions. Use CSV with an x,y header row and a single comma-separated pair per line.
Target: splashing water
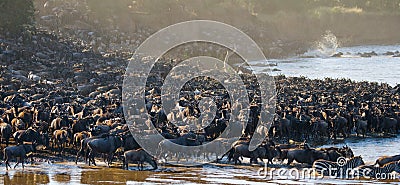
x,y
325,47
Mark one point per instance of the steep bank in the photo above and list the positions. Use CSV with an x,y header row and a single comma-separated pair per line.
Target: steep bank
x,y
281,28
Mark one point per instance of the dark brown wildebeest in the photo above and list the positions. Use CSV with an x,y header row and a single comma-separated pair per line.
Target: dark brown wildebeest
x,y
386,159
242,150
83,150
388,125
29,135
320,128
285,127
271,152
82,124
339,125
129,142
19,151
334,153
107,145
307,156
5,133
168,146
41,115
360,126
139,156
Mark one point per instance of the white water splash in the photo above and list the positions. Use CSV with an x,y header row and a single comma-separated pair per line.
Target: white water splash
x,y
325,47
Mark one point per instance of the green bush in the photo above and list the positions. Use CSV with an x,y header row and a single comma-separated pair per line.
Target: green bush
x,y
15,15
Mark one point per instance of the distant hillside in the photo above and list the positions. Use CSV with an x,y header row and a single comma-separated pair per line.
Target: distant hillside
x,y
280,27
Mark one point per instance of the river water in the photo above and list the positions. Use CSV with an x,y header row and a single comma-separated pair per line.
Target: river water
x,y
318,64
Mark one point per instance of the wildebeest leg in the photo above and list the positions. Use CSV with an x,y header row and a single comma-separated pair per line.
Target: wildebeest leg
x,y
7,163
91,157
19,158
178,155
126,165
87,159
77,156
110,158
290,160
22,161
93,160
138,165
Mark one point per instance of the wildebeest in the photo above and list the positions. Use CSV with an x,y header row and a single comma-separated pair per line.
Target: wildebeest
x,y
60,139
78,137
107,145
82,124
168,146
139,156
307,156
242,150
5,133
129,142
19,151
83,150
386,159
29,135
18,124
361,127
339,125
27,117
59,123
334,153
320,128
388,125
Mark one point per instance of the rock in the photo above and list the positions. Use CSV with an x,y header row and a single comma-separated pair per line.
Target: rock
x,y
338,54
389,53
365,55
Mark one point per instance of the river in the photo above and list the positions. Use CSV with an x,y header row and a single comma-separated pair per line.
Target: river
x,y
317,64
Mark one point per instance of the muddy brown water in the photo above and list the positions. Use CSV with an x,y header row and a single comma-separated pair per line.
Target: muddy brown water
x,y
69,173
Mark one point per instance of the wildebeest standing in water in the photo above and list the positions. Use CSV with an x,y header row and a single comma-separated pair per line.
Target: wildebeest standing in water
x,y
139,156
19,151
106,145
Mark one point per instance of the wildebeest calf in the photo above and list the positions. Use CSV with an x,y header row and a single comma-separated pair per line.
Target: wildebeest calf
x,y
139,156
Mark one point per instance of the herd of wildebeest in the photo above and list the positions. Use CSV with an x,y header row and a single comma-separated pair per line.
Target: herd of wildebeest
x,y
75,107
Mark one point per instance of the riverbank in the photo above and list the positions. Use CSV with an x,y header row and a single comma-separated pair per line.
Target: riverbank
x,y
281,28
